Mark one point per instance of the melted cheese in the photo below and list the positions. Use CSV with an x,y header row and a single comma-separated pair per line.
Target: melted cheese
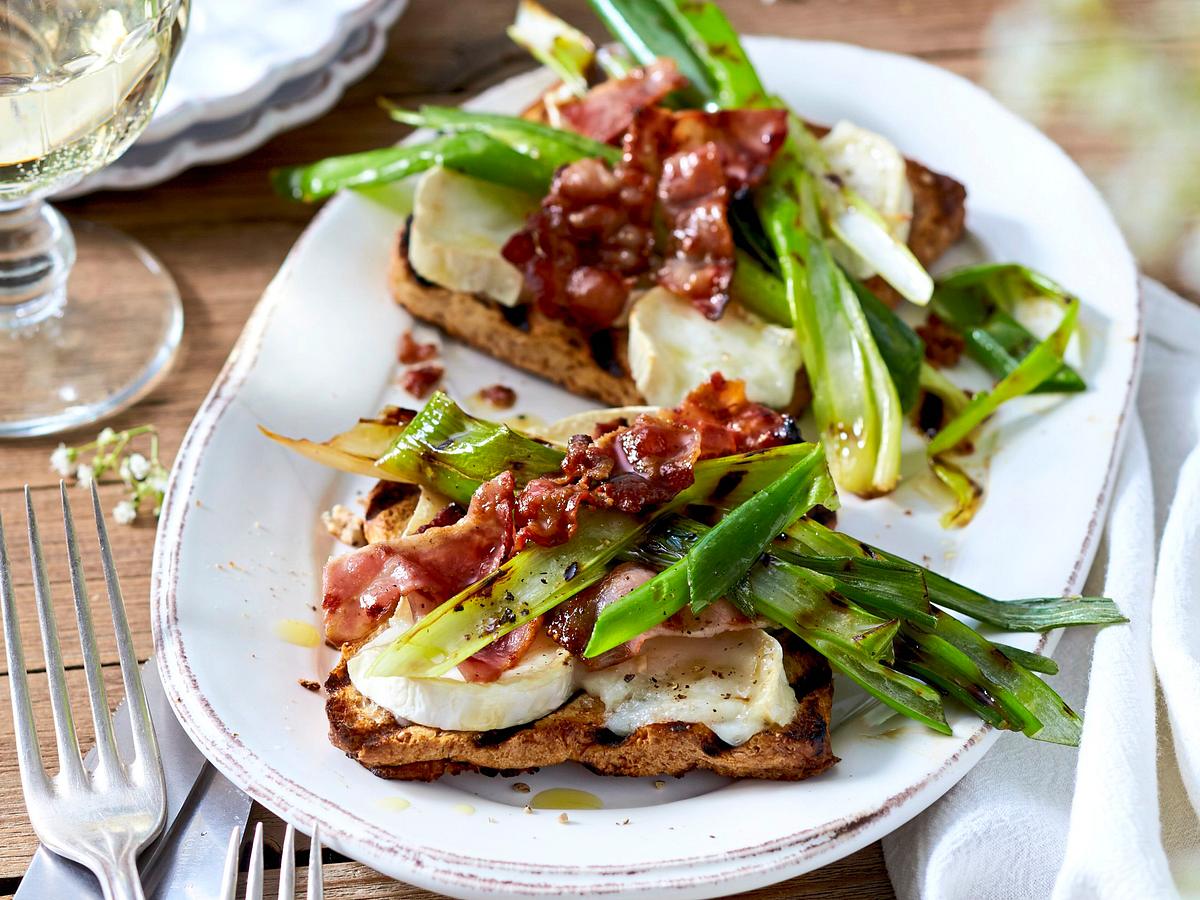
x,y
539,684
734,683
672,348
459,226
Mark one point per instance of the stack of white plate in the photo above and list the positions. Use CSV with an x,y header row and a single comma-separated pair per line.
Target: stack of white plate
x,y
246,72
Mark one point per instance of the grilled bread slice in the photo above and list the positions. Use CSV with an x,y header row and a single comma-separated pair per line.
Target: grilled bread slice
x,y
575,732
597,367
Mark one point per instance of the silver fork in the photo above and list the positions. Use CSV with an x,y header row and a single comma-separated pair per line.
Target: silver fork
x,y
103,817
287,867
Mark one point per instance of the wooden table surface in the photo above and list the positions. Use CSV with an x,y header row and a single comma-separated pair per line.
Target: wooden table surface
x,y
223,235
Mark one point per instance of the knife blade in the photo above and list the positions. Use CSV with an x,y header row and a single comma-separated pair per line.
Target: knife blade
x,y
187,859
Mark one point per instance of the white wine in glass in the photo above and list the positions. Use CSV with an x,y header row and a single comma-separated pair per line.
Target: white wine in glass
x,y
89,319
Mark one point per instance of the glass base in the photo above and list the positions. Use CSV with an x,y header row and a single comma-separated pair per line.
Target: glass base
x,y
106,341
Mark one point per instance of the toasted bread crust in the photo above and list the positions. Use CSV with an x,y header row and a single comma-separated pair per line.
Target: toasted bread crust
x,y
575,733
389,507
559,352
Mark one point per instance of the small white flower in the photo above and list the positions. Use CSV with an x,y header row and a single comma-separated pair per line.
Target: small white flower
x,y
106,437
157,481
62,460
124,512
139,466
84,475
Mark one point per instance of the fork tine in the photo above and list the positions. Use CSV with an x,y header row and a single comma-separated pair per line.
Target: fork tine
x,y
254,875
108,762
69,763
33,773
144,740
287,865
316,878
229,879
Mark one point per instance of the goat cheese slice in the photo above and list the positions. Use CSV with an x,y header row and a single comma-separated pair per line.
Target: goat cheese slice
x,y
734,683
459,226
673,348
541,683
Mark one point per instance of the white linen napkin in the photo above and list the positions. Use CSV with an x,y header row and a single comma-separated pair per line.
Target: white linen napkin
x,y
1116,818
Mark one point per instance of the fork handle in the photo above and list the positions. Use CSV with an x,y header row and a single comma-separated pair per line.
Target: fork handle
x,y
120,880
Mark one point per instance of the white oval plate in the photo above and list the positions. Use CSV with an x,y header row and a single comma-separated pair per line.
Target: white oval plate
x,y
240,549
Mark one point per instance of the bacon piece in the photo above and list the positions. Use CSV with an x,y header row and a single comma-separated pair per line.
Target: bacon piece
x,y
593,235
730,423
548,511
413,351
420,380
747,139
694,198
943,345
362,588
647,462
570,624
501,654
716,156
608,109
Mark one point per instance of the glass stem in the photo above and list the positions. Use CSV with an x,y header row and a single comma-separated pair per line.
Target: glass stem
x,y
37,250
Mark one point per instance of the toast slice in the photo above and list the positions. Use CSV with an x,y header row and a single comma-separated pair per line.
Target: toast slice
x,y
575,732
597,367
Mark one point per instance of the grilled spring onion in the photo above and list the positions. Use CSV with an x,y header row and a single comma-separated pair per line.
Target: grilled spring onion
x,y
717,560
563,49
538,579
452,452
353,451
978,302
1038,614
1039,364
1034,662
779,590
855,402
649,29
967,492
470,153
807,603
553,147
956,657
1029,704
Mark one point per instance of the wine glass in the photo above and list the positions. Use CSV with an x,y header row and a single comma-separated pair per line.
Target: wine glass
x,y
89,319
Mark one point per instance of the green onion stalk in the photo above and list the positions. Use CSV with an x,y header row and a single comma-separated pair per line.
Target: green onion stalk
x,y
563,49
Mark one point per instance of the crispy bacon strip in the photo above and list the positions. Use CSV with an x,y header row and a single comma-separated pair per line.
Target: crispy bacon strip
x,y
716,156
362,588
501,654
570,624
694,198
648,461
607,110
593,236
